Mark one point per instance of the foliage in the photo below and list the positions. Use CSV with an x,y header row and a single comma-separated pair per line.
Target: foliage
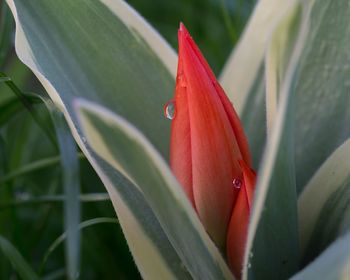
x,y
31,177
109,72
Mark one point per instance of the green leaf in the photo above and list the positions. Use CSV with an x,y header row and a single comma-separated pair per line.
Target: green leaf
x,y
324,204
125,148
27,199
272,246
18,262
59,240
334,263
322,91
2,157
253,119
277,60
33,166
71,186
242,68
243,76
104,51
11,106
28,104
120,51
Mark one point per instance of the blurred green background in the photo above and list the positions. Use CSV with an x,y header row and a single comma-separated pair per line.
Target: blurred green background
x,y
31,191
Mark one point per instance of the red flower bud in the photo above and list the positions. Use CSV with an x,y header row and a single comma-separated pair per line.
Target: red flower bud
x,y
207,141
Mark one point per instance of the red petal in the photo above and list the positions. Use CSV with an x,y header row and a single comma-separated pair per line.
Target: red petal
x,y
180,146
249,177
238,228
236,125
215,152
229,109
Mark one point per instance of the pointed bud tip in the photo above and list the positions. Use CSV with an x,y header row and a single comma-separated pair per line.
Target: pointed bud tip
x,y
182,27
183,31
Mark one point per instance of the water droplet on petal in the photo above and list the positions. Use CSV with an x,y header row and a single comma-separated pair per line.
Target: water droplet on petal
x,y
169,110
237,183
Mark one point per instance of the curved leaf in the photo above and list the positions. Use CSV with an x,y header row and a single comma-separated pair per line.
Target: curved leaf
x,y
243,75
81,48
334,263
253,118
272,245
18,262
242,68
59,240
324,205
71,187
127,149
66,43
322,90
34,166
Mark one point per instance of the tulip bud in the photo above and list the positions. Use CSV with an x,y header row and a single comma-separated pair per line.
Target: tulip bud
x,y
207,141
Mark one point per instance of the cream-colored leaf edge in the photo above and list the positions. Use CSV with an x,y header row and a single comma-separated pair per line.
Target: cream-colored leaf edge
x,y
242,67
337,254
147,258
272,147
172,184
325,182
275,59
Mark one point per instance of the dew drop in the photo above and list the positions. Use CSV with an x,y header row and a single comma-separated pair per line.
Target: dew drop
x,y
249,265
237,183
169,110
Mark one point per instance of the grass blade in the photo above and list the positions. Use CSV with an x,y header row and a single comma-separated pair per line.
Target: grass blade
x,y
18,262
34,166
63,237
71,184
26,102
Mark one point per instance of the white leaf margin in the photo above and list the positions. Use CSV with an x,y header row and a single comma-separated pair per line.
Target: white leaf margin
x,y
325,182
333,263
175,189
275,137
147,258
134,21
242,67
